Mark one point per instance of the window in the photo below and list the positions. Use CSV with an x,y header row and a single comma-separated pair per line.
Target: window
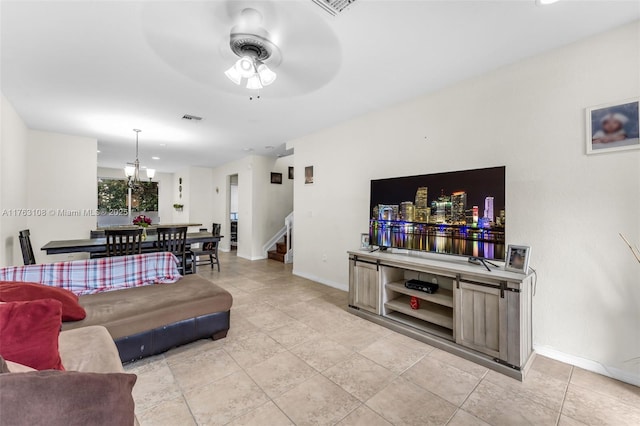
x,y
113,201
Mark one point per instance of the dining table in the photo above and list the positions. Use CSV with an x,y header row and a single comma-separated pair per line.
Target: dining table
x,y
99,245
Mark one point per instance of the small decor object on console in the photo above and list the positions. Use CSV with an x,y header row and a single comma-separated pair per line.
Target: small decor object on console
x,y
364,242
414,303
143,222
613,127
517,259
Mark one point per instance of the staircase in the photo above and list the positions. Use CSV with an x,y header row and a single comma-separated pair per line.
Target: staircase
x,y
280,247
280,252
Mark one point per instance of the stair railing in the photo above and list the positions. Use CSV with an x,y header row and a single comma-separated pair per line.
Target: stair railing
x,y
288,222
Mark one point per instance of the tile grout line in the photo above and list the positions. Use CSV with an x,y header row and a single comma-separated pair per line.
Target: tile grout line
x,y
564,396
458,408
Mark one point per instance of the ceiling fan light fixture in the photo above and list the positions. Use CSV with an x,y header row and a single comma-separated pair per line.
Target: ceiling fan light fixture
x,y
245,67
233,75
266,75
254,82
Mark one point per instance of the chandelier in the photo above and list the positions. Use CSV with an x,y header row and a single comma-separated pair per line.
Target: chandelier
x,y
253,46
132,170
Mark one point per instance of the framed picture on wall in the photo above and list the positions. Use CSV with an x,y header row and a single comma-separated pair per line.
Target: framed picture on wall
x,y
276,178
517,259
613,127
291,172
308,175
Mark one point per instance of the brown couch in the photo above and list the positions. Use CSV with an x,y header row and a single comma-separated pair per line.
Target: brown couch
x,y
148,320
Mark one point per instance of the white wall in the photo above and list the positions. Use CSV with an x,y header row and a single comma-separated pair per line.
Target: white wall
x,y
62,176
272,202
262,206
13,183
569,207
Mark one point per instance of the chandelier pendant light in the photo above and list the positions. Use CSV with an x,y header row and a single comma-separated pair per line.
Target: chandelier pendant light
x,y
252,44
132,170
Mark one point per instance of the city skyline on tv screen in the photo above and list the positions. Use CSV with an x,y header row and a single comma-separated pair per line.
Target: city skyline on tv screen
x,y
476,185
461,212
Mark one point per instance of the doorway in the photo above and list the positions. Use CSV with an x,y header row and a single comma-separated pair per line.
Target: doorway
x,y
233,212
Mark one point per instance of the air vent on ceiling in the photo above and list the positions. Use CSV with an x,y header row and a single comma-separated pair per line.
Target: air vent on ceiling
x,y
191,117
333,7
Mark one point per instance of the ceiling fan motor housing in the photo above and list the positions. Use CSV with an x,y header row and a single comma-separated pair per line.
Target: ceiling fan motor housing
x,y
255,45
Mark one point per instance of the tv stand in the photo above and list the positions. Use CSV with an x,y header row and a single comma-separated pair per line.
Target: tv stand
x,y
483,262
481,315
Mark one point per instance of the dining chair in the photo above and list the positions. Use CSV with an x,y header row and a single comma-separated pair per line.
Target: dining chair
x,y
123,242
208,250
174,240
25,245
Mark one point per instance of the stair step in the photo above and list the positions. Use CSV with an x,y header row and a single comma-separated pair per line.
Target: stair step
x,y
281,248
274,255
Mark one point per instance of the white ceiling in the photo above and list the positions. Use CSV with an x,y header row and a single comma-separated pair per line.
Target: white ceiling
x,y
100,69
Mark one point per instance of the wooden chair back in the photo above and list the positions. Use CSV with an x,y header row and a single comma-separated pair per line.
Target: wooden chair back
x,y
123,242
25,245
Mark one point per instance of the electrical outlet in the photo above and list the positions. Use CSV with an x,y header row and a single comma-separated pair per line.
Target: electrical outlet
x,y
324,257
434,280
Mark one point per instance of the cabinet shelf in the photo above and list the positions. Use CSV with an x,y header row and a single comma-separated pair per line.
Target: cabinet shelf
x,y
436,314
442,297
421,325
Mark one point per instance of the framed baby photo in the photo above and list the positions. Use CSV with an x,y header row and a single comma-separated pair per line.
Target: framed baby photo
x,y
613,127
517,259
364,242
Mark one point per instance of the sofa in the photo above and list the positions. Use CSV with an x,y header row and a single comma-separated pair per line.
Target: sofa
x,y
141,300
84,350
149,320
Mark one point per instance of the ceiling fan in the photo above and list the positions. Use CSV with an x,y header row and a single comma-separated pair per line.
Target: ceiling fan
x,y
256,41
253,45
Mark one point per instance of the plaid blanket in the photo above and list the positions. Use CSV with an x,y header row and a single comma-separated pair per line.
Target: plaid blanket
x,y
99,275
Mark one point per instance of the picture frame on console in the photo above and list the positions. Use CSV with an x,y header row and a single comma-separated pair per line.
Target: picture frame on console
x,y
365,243
517,259
613,127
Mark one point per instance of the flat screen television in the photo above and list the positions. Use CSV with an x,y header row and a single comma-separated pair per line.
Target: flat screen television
x,y
458,213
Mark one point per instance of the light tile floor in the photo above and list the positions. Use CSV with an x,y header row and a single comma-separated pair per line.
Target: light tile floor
x,y
295,356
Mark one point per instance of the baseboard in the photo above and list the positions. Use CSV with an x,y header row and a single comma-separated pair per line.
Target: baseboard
x,y
587,364
252,258
329,283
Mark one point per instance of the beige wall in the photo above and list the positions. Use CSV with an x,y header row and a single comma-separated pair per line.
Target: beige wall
x,y
262,206
50,179
62,179
13,183
569,207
